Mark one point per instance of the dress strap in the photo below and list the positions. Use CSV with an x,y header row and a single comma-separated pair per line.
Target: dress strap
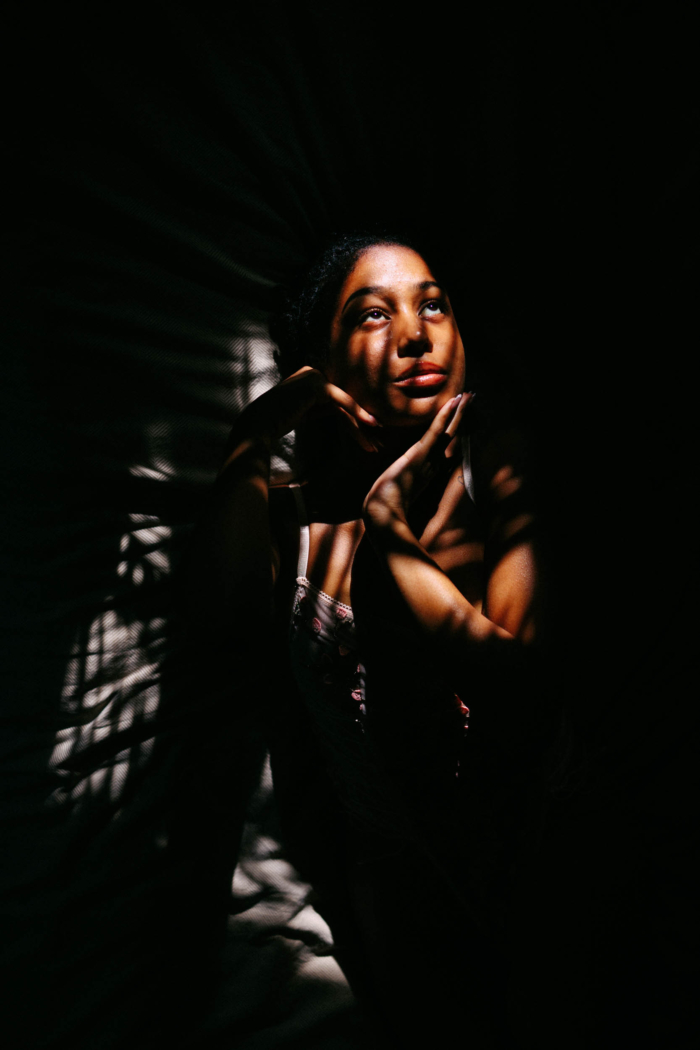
x,y
303,561
467,466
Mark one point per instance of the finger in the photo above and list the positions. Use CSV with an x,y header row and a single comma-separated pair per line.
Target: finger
x,y
453,425
335,393
442,434
416,458
356,432
440,423
452,430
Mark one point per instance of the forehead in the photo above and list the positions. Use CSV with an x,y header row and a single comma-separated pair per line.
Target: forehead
x,y
388,266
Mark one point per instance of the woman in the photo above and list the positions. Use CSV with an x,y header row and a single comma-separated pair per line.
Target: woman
x,y
394,572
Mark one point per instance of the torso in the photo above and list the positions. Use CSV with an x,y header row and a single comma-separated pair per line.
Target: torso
x,y
393,777
453,537
328,654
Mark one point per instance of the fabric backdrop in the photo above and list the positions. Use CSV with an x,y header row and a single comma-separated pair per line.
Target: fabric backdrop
x,y
169,166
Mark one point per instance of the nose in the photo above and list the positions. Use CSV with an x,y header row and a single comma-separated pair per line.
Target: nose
x,y
412,337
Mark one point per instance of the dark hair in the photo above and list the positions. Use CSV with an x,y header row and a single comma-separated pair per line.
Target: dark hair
x,y
301,325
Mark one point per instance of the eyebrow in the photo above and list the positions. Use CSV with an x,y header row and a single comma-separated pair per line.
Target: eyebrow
x,y
375,289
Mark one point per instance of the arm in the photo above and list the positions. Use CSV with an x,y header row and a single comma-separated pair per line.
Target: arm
x,y
510,559
436,605
235,558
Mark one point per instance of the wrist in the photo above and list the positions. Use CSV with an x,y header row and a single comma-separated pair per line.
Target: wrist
x,y
382,519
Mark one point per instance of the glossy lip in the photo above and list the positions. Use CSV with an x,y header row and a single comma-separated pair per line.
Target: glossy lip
x,y
421,368
422,375
421,382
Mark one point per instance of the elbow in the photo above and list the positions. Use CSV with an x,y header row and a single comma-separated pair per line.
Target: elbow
x,y
514,621
484,630
469,628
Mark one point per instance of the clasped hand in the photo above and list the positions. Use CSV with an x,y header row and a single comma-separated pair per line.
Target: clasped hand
x,y
308,391
388,500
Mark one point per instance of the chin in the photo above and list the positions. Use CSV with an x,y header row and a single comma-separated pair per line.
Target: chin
x,y
420,411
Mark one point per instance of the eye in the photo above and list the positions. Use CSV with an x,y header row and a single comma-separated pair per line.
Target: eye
x,y
433,308
373,314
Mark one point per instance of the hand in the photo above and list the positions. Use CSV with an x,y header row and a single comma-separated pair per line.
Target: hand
x,y
392,493
282,408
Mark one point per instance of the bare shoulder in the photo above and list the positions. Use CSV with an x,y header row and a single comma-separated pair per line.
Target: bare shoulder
x,y
501,455
502,468
505,496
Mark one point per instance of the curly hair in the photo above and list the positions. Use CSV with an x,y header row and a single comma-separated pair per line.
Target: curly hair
x,y
300,328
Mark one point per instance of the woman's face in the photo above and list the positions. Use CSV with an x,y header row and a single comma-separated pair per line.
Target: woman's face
x,y
395,346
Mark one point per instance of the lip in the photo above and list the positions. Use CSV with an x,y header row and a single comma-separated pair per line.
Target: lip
x,y
422,375
421,368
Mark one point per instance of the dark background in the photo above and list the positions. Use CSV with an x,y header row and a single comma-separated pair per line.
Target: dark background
x,y
167,167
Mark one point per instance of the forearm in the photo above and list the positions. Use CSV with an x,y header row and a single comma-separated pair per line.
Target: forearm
x,y
234,558
231,569
438,609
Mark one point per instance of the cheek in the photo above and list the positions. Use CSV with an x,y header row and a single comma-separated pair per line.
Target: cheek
x,y
459,367
461,370
365,364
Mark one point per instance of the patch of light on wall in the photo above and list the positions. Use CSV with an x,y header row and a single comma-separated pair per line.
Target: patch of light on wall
x,y
253,371
146,543
111,681
102,695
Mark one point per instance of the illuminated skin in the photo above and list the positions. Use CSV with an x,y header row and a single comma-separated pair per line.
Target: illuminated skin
x,y
393,319
249,543
390,319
